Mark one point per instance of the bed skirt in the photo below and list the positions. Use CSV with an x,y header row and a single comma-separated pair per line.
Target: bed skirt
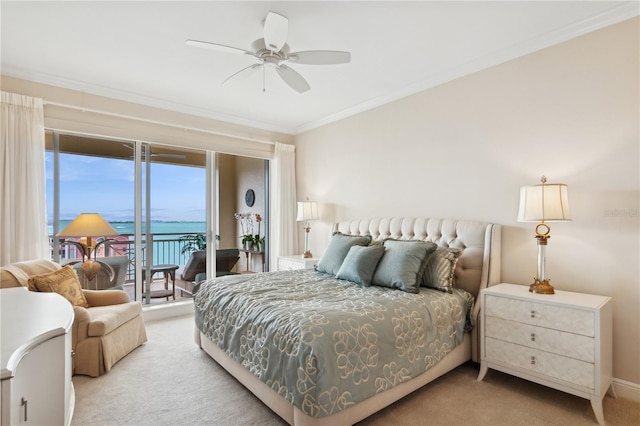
x,y
349,416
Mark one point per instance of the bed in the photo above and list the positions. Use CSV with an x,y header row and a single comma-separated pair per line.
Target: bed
x,y
322,349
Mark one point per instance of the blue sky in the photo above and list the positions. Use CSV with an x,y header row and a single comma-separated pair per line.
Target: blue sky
x,y
106,186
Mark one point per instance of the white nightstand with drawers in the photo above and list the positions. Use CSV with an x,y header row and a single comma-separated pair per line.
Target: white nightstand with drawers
x,y
286,263
562,340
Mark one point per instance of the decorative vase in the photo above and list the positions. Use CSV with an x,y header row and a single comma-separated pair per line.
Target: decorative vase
x,y
248,245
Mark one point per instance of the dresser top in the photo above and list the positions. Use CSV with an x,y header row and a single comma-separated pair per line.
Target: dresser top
x,y
590,301
28,319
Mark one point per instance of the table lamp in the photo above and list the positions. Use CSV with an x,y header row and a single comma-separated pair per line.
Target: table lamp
x,y
307,210
88,225
547,202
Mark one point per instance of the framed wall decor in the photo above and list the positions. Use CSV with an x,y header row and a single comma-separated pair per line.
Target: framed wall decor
x,y
250,197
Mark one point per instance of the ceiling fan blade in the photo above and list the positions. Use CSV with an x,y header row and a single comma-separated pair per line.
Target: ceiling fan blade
x,y
293,78
276,28
217,47
320,57
242,71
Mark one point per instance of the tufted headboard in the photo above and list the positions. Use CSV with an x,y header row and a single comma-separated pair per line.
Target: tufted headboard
x,y
478,266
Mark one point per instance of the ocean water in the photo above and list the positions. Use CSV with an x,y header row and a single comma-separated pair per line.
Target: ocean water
x,y
127,228
163,252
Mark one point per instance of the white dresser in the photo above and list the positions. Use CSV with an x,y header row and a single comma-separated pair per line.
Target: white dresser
x,y
35,348
286,263
561,340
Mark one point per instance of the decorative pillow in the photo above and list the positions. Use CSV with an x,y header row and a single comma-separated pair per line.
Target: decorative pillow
x,y
339,246
64,282
440,267
360,264
402,265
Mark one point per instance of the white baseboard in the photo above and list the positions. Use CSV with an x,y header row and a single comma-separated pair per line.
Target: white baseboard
x,y
167,310
628,390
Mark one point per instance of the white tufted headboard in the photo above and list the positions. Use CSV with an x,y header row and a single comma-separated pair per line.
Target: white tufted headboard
x,y
477,267
479,264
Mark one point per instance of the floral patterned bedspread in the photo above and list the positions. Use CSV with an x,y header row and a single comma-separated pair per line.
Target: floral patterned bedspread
x,y
325,344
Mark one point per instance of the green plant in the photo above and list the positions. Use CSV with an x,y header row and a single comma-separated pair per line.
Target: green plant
x,y
246,239
194,242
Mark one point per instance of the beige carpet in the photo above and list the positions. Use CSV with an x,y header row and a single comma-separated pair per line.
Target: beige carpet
x,y
170,381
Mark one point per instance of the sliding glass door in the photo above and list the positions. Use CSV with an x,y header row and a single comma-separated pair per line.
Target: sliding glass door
x,y
153,196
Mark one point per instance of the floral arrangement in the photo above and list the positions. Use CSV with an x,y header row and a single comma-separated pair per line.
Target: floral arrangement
x,y
246,222
248,238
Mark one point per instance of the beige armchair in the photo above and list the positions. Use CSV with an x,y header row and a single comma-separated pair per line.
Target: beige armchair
x,y
105,332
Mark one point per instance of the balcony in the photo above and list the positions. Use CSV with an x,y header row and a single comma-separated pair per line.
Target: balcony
x,y
166,249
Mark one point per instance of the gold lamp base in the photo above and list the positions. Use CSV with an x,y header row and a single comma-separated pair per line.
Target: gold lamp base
x,y
541,287
307,255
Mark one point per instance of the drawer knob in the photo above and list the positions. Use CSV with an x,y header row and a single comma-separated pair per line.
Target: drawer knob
x,y
533,314
533,360
533,337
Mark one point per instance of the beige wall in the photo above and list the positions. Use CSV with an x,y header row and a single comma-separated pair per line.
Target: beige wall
x,y
250,175
227,198
463,149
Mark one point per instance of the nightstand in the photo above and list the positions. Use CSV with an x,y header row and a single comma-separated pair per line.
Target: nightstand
x,y
561,340
286,263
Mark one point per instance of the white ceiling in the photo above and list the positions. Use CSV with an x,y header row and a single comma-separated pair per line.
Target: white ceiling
x,y
135,51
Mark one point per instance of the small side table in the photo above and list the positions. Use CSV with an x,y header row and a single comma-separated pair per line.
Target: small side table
x,y
169,271
286,263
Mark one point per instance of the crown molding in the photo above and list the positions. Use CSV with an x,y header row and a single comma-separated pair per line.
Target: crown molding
x,y
122,95
611,16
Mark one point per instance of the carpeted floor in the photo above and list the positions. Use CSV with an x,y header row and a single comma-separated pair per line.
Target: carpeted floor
x,y
170,381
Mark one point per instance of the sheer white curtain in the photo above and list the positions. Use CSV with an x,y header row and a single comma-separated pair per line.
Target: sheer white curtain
x,y
23,208
284,232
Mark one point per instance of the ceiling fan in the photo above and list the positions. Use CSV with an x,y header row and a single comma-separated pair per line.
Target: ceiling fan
x,y
273,51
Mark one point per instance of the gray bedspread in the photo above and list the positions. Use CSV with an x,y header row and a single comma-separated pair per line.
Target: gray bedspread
x,y
325,344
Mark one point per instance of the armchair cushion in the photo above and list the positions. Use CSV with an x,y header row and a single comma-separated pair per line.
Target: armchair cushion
x,y
105,297
17,274
105,319
64,282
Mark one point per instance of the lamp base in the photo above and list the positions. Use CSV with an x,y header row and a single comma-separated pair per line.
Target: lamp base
x,y
541,287
90,269
307,255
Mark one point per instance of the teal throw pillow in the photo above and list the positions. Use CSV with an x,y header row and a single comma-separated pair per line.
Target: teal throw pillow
x,y
440,267
339,246
360,264
402,264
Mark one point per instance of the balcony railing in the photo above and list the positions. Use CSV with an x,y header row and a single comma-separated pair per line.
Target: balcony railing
x,y
167,249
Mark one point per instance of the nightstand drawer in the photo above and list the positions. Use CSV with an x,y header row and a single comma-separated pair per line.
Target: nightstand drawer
x,y
544,339
550,316
559,367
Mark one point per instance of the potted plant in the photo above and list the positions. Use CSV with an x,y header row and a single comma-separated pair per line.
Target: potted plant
x,y
258,243
247,241
195,242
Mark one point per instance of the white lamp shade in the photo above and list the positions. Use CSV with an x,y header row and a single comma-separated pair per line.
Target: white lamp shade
x,y
88,225
546,202
307,210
